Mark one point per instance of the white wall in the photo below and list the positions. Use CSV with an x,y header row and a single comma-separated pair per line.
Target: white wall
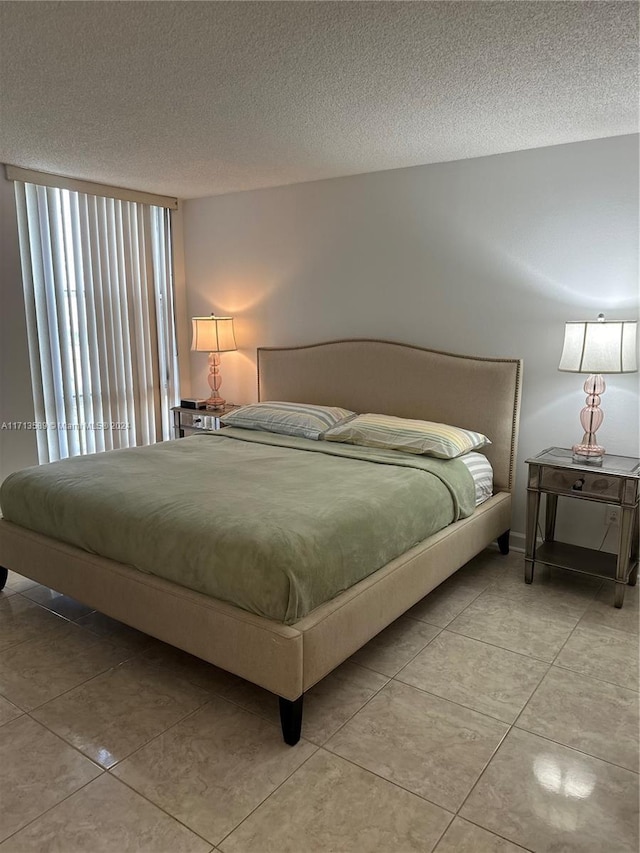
x,y
487,256
17,447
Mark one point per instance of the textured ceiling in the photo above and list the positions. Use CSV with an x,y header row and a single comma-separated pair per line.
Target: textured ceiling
x,y
201,98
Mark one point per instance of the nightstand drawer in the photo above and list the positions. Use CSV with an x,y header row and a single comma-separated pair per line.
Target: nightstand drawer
x,y
192,421
594,485
199,420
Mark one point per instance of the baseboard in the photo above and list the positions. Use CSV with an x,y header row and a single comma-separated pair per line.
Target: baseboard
x,y
517,541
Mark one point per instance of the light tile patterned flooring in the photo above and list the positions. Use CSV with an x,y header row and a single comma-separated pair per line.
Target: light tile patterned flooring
x,y
493,717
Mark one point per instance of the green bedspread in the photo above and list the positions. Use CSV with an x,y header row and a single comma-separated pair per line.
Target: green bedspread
x,y
273,524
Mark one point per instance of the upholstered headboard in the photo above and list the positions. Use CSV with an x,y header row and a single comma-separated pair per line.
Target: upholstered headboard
x,y
481,394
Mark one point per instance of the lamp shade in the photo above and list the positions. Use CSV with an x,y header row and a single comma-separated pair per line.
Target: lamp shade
x,y
599,347
213,334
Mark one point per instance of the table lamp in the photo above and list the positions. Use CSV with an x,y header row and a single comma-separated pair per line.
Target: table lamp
x,y
213,335
597,347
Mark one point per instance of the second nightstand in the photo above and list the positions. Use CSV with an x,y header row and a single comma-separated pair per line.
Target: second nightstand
x,y
615,482
198,420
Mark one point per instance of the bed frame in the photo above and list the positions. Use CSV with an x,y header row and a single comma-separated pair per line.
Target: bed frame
x,y
481,394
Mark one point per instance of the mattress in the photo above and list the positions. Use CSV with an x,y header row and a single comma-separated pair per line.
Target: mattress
x,y
482,472
273,524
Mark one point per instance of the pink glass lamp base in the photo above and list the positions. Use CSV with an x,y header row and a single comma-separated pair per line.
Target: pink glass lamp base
x,y
213,403
591,417
214,379
588,453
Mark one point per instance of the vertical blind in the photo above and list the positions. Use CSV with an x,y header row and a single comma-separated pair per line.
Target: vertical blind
x,y
97,275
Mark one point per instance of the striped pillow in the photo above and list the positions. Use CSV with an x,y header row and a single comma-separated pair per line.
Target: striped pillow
x,y
423,437
299,419
482,472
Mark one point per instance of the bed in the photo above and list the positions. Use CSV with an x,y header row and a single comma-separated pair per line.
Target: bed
x,y
288,652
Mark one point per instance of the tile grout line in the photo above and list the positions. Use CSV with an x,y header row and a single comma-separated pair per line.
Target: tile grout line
x,y
520,728
569,637
493,832
192,713
626,633
323,746
575,749
55,805
348,720
596,678
597,625
592,601
441,836
29,713
486,643
424,621
574,672
155,737
317,747
530,699
494,646
469,581
161,809
144,796
467,707
83,754
506,597
395,784
44,632
391,677
26,595
264,717
53,629
502,595
81,684
555,613
268,797
483,771
64,741
454,815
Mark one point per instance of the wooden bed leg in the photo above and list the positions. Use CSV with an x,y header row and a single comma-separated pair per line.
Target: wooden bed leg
x,y
291,719
4,574
503,542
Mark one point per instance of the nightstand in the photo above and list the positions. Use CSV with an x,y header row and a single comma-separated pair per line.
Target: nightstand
x,y
616,482
192,421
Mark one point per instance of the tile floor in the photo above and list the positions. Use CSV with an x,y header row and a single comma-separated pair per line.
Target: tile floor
x,y
493,717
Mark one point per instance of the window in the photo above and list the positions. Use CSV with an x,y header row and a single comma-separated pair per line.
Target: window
x,y
98,288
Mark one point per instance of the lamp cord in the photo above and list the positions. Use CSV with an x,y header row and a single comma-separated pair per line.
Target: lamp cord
x,y
606,533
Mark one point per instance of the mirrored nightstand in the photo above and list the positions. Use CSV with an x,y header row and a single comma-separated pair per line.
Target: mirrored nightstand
x,y
616,481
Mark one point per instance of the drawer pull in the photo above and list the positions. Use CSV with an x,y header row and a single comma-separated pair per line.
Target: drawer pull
x,y
577,486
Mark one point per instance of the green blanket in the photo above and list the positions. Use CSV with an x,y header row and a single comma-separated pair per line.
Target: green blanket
x,y
273,524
